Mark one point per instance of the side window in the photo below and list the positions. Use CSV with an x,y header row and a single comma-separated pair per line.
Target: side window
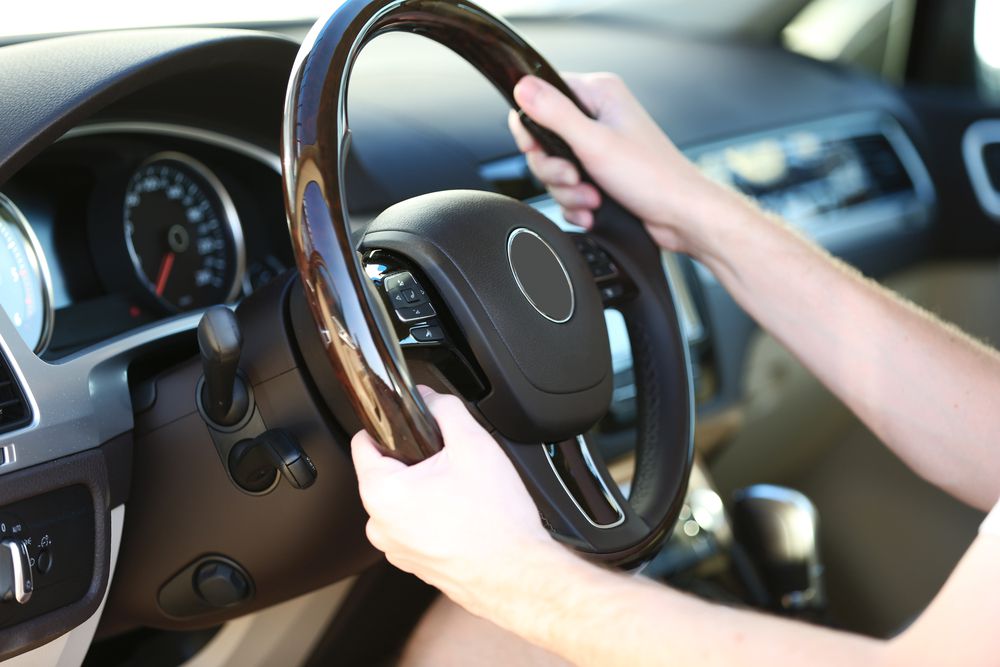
x,y
870,34
986,37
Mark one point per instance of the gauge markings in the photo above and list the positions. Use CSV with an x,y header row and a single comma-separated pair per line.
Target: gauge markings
x,y
182,233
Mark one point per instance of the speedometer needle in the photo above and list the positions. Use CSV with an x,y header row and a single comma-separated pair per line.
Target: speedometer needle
x,y
166,265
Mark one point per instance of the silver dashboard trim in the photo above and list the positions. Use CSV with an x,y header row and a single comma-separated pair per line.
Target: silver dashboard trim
x,y
81,401
245,148
978,136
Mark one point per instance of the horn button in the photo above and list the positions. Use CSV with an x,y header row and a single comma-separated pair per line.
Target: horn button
x,y
524,300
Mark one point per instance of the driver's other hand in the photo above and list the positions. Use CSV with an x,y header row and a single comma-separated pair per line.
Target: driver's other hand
x,y
460,520
625,152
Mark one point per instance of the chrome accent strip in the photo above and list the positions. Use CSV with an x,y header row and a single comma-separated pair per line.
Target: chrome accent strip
x,y
81,401
977,137
21,583
22,223
245,148
517,279
592,468
691,322
231,221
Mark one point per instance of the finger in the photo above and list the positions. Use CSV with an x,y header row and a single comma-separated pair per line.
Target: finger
x,y
524,140
548,107
453,418
369,462
589,92
580,217
578,196
552,170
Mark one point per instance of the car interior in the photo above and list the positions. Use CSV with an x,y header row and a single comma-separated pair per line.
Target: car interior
x,y
220,261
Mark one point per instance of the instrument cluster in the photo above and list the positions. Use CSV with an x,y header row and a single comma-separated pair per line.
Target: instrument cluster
x,y
113,229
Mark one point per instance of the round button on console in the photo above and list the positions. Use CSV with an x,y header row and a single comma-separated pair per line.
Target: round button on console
x,y
220,584
43,562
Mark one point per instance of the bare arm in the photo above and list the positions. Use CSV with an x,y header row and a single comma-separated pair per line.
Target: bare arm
x,y
930,392
926,389
590,616
490,555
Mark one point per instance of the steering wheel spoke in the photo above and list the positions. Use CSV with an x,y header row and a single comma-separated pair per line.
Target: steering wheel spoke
x,y
577,498
610,276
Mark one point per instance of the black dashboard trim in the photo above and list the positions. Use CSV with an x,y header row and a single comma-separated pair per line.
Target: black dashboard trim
x,y
106,473
82,74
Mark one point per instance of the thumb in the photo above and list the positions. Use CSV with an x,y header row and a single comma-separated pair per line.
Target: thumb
x,y
369,463
551,109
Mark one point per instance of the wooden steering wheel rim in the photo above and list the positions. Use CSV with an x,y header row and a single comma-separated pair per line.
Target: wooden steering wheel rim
x,y
315,142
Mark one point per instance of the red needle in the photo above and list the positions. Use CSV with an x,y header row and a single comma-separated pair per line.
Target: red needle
x,y
166,265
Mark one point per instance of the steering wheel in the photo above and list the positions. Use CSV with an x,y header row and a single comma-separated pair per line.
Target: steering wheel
x,y
490,291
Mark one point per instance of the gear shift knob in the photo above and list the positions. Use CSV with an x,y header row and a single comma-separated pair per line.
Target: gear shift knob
x,y
778,528
224,397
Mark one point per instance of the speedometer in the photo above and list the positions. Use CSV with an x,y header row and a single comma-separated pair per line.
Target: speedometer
x,y
25,286
183,234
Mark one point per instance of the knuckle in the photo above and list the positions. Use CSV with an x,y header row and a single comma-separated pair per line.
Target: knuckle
x,y
374,535
608,81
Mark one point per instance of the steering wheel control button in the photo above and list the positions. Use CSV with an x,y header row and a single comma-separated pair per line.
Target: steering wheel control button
x,y
398,281
428,334
612,292
540,275
415,313
600,263
404,290
16,581
220,584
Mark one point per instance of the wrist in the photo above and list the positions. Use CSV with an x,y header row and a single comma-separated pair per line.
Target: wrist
x,y
534,603
723,227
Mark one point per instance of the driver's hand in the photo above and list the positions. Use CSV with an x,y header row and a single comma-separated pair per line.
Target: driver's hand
x,y
626,153
461,520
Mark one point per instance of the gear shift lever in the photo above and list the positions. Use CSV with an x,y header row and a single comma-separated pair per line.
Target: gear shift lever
x,y
778,528
224,397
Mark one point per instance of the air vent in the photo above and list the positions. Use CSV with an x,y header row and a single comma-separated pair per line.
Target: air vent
x,y
991,160
981,150
826,174
882,163
14,410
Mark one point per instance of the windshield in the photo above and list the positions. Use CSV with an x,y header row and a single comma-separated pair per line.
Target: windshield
x,y
63,16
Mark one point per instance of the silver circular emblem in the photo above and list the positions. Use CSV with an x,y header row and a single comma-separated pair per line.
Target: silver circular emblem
x,y
540,275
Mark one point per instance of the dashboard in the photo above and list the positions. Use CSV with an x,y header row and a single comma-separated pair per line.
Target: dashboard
x,y
149,188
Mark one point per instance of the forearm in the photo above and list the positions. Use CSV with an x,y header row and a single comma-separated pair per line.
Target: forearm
x,y
591,616
926,389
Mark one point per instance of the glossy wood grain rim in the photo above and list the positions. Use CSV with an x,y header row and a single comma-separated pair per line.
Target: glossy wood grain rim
x,y
316,137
